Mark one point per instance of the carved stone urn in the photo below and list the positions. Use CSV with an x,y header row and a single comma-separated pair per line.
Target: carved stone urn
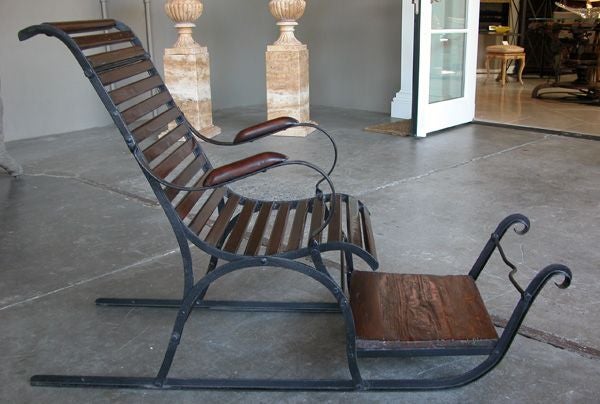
x,y
287,12
184,13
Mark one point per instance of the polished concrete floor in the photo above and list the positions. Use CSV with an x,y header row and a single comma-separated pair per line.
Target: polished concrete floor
x,y
513,105
82,223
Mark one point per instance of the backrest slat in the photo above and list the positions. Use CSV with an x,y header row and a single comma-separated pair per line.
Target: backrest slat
x,y
104,59
125,72
156,124
186,175
94,41
134,113
75,27
141,106
132,90
164,142
167,165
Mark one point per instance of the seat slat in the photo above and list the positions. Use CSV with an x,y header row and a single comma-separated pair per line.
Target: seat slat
x,y
218,228
185,176
368,232
353,219
334,232
239,229
134,113
111,38
124,72
275,241
132,90
316,219
201,218
167,165
104,59
258,231
297,230
73,27
156,124
160,145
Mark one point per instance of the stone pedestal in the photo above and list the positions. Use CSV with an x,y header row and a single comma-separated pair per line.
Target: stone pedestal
x,y
287,68
187,75
287,85
187,68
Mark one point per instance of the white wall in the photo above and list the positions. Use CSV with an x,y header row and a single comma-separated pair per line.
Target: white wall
x,y
354,57
354,52
43,88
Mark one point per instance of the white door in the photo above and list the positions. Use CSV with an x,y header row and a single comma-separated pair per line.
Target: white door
x,y
445,63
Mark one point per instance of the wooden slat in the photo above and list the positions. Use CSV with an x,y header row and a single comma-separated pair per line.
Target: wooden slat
x,y
434,310
368,232
297,230
164,168
334,231
275,241
185,176
353,220
73,27
186,204
124,72
239,229
258,231
218,228
135,112
93,41
199,221
316,219
132,90
156,124
160,145
104,59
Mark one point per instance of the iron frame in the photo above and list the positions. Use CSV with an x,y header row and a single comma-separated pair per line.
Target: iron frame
x,y
194,291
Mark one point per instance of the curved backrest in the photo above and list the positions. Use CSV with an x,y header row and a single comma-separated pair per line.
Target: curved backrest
x,y
134,94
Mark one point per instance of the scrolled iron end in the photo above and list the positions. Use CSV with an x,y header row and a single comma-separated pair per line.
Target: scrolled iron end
x,y
558,270
524,221
566,281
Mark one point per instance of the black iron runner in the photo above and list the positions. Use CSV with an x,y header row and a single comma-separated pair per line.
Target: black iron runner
x,y
385,314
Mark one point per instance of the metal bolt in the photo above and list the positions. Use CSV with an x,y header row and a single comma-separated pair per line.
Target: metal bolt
x,y
263,261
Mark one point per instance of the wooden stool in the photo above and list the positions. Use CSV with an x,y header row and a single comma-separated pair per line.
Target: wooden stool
x,y
505,53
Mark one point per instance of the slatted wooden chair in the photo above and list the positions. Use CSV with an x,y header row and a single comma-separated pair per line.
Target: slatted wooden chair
x,y
385,314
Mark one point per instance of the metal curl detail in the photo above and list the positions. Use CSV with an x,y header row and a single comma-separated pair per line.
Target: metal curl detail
x,y
494,241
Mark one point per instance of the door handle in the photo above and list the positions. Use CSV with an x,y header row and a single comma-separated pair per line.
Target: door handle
x,y
416,6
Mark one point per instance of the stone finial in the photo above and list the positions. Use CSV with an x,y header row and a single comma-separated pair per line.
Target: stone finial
x,y
184,13
287,12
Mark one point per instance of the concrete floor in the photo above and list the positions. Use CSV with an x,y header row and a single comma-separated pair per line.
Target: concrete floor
x,y
513,105
82,223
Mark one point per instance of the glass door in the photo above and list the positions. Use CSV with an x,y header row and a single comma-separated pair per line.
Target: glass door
x,y
445,62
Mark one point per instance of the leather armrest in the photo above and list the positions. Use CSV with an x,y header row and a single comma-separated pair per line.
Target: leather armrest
x,y
264,129
243,167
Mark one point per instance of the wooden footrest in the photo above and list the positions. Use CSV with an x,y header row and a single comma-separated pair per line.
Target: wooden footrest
x,y
404,312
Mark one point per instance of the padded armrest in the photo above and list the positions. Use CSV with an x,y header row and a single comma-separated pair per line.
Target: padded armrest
x,y
264,129
242,168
